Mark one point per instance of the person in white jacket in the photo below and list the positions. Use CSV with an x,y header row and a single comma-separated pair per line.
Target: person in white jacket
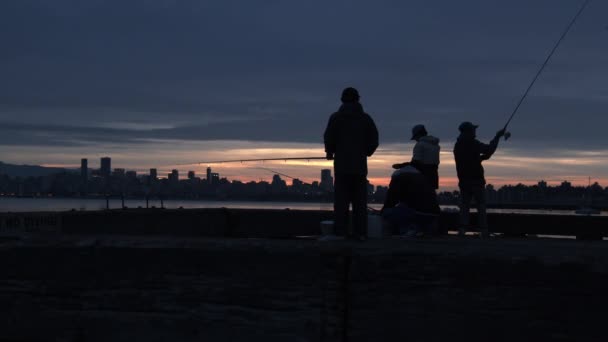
x,y
425,156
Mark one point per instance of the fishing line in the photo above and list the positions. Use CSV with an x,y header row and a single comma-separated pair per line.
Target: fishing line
x,y
521,100
273,171
253,160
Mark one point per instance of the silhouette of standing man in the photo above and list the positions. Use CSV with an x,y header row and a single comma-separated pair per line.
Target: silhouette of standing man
x,y
469,153
350,137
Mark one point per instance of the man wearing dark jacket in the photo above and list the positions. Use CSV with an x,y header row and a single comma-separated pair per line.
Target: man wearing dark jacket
x,y
469,153
350,137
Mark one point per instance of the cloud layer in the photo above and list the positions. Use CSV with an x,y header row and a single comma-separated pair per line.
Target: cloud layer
x,y
87,76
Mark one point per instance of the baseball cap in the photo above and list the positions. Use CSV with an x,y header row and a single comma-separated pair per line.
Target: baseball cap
x,y
467,126
350,94
418,130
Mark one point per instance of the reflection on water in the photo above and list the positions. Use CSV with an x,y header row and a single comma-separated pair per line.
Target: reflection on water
x,y
8,204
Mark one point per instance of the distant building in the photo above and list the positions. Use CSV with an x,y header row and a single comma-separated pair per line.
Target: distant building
x,y
370,188
106,167
84,175
84,169
278,185
209,179
119,172
153,174
174,176
131,175
297,185
191,175
215,178
327,181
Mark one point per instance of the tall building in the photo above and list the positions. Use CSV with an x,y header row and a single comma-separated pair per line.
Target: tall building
x,y
327,181
278,185
153,174
191,174
209,179
174,176
106,167
84,174
84,169
296,183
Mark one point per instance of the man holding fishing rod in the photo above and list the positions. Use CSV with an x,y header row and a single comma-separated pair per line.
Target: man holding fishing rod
x,y
469,154
350,137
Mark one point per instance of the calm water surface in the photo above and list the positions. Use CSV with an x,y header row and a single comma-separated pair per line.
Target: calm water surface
x,y
8,204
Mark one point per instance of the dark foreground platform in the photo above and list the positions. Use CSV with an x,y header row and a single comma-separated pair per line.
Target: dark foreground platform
x,y
75,287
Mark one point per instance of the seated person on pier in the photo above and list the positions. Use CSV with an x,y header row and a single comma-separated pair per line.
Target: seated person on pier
x,y
426,155
411,204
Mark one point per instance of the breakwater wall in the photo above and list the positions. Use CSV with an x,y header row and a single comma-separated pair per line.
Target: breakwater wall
x,y
241,223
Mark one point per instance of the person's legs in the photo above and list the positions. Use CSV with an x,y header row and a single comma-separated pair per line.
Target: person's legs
x,y
465,206
359,200
482,219
341,201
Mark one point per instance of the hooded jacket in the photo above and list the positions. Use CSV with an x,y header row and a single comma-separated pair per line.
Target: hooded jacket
x,y
426,151
426,158
351,136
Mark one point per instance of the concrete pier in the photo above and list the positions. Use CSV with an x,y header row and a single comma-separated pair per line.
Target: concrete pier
x,y
261,275
84,287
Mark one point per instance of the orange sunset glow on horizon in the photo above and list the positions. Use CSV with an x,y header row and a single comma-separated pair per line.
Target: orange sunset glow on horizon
x,y
506,167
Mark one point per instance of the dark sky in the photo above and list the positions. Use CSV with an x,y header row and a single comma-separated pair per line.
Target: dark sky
x,y
110,76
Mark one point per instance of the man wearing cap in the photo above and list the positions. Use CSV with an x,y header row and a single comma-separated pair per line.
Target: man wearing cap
x,y
469,153
350,137
426,155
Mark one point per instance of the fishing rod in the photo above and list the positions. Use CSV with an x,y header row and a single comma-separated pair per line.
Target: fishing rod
x,y
258,160
521,100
